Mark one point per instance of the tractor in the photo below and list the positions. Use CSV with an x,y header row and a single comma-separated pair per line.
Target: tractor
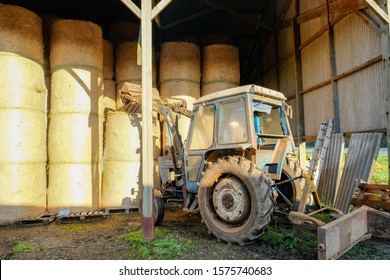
x,y
233,167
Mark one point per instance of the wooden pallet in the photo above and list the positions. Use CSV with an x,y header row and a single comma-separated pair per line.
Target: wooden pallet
x,y
120,211
81,217
42,220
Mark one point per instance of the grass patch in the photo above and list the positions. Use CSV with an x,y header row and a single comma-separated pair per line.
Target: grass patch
x,y
363,252
162,247
25,247
380,174
290,238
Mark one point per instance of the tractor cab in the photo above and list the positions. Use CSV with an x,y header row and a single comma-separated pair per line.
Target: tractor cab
x,y
248,121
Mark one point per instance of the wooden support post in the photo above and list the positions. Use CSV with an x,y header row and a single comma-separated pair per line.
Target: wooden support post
x,y
146,14
385,50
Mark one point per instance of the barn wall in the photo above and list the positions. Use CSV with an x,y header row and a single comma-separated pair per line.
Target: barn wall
x,y
354,76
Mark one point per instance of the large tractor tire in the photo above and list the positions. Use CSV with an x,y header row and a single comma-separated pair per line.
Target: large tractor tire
x,y
291,190
235,200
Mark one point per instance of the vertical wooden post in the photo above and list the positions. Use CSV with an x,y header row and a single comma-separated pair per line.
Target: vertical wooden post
x,y
147,120
298,89
385,49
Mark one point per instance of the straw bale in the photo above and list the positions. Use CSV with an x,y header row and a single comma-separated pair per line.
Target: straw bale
x,y
122,184
24,86
217,86
76,90
220,63
180,61
108,60
23,136
21,32
23,191
123,137
75,138
186,90
108,98
126,67
76,43
134,88
123,31
74,186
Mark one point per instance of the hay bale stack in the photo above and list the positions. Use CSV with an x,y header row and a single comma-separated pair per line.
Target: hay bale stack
x,y
180,78
108,60
23,152
123,31
76,124
122,177
108,100
127,69
220,68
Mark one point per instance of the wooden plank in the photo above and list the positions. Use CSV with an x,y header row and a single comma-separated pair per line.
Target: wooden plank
x,y
133,7
336,237
159,7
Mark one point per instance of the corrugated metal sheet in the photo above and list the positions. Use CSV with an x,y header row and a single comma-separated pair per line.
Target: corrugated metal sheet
x,y
269,56
316,67
308,5
356,42
312,27
287,78
294,120
361,100
285,43
270,79
330,175
318,107
362,152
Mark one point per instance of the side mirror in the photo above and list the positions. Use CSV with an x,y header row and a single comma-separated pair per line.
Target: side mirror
x,y
289,111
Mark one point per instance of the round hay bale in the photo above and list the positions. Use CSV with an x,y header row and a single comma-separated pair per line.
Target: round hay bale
x,y
23,32
217,86
123,137
126,67
221,64
76,90
23,191
109,98
122,184
108,60
75,138
24,87
74,186
179,61
76,43
189,91
123,31
23,136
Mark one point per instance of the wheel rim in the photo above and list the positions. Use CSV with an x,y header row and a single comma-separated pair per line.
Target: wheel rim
x,y
231,201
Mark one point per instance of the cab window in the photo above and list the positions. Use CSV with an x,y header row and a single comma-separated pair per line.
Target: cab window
x,y
202,130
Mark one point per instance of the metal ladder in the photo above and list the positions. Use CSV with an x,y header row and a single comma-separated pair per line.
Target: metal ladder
x,y
316,163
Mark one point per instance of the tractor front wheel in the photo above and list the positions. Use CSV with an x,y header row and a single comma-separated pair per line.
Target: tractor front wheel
x,y
235,200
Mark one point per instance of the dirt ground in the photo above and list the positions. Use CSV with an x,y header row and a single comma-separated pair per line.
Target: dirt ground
x,y
99,241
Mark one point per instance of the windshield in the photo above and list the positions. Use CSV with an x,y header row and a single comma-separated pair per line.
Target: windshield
x,y
270,122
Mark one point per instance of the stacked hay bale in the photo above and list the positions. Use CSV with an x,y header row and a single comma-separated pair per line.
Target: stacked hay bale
x,y
75,130
122,178
220,68
127,69
108,101
123,31
23,151
180,78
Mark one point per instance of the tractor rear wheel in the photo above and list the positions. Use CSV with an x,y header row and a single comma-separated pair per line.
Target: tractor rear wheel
x,y
158,207
235,200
